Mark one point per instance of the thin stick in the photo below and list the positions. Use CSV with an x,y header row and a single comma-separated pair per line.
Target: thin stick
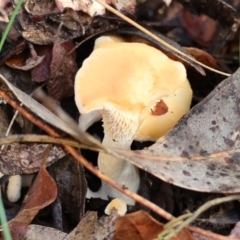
x,y
35,138
130,21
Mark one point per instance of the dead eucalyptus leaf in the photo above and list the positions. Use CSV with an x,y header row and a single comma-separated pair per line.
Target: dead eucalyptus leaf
x,y
27,158
141,226
202,152
63,69
42,192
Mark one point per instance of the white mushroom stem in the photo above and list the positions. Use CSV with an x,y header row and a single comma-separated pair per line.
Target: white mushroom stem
x,y
86,120
119,129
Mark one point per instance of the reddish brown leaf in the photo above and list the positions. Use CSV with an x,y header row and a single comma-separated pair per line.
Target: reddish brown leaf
x,y
24,61
200,28
141,226
42,192
63,69
41,72
202,57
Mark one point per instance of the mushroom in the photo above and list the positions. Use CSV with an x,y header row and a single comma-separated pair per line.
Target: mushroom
x,y
118,204
139,92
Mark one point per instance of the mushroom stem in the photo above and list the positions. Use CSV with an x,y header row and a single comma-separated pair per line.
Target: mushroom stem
x,y
119,131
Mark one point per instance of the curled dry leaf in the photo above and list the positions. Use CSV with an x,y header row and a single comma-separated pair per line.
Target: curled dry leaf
x,y
24,62
63,69
200,55
202,152
42,71
42,192
38,22
141,226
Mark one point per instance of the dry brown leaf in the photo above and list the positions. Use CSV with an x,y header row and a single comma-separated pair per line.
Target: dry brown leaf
x,y
24,62
202,152
202,56
141,226
26,158
42,192
41,72
63,69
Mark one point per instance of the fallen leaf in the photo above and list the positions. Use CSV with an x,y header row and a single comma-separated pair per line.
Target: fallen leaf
x,y
41,72
42,192
202,152
72,186
24,62
27,158
63,69
141,226
202,56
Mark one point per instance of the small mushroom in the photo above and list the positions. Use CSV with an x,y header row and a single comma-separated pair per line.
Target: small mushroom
x,y
140,93
118,204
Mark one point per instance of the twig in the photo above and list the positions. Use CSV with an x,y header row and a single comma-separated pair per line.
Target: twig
x,y
31,138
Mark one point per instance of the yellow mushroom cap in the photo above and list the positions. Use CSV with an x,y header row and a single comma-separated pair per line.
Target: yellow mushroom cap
x,y
131,78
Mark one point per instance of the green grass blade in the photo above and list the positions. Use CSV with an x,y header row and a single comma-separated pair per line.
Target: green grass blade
x,y
3,219
10,23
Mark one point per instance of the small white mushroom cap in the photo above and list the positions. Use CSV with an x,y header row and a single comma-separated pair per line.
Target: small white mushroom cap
x,y
118,204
